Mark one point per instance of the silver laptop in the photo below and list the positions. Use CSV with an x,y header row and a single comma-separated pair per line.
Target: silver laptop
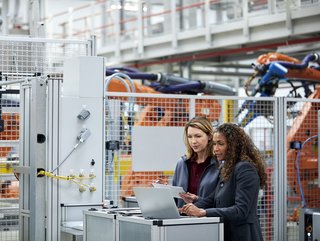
x,y
156,203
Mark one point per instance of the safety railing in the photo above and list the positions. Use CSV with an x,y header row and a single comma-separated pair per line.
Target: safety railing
x,y
134,21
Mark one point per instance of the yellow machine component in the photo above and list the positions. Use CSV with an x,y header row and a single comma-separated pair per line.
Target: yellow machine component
x,y
228,107
125,166
6,167
73,178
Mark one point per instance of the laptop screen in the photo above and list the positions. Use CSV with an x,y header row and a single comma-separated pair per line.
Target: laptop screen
x,y
156,203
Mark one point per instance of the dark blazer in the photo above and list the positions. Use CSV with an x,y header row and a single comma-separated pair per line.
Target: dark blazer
x,y
236,202
208,180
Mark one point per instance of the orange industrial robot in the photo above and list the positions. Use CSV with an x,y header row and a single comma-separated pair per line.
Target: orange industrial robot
x,y
8,159
302,137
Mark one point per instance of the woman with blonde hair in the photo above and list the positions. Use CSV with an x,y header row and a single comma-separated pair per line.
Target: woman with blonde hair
x,y
197,172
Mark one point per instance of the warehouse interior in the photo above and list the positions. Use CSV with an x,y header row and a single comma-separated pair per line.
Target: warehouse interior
x,y
94,96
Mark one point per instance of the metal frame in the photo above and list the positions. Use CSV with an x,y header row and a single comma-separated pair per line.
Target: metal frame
x,y
280,170
53,111
33,153
39,103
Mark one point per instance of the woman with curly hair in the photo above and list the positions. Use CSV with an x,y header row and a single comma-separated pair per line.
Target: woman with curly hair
x,y
242,174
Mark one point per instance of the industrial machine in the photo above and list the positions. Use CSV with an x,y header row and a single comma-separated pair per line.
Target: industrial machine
x,y
170,84
275,70
129,225
309,224
61,167
9,135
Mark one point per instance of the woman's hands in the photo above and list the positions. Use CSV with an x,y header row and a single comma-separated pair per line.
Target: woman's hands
x,y
192,210
159,181
188,197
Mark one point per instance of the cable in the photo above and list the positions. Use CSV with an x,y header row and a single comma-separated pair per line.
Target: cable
x,y
75,147
122,77
84,135
67,178
75,179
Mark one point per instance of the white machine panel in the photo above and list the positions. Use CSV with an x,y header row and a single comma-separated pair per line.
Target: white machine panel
x,y
156,148
87,159
84,77
83,88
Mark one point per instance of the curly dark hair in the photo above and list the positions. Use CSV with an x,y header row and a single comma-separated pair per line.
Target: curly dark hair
x,y
240,147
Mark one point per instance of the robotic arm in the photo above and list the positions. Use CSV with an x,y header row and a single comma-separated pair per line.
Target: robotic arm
x,y
273,69
173,84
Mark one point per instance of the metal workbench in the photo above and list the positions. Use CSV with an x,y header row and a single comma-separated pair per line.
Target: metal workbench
x,y
127,226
